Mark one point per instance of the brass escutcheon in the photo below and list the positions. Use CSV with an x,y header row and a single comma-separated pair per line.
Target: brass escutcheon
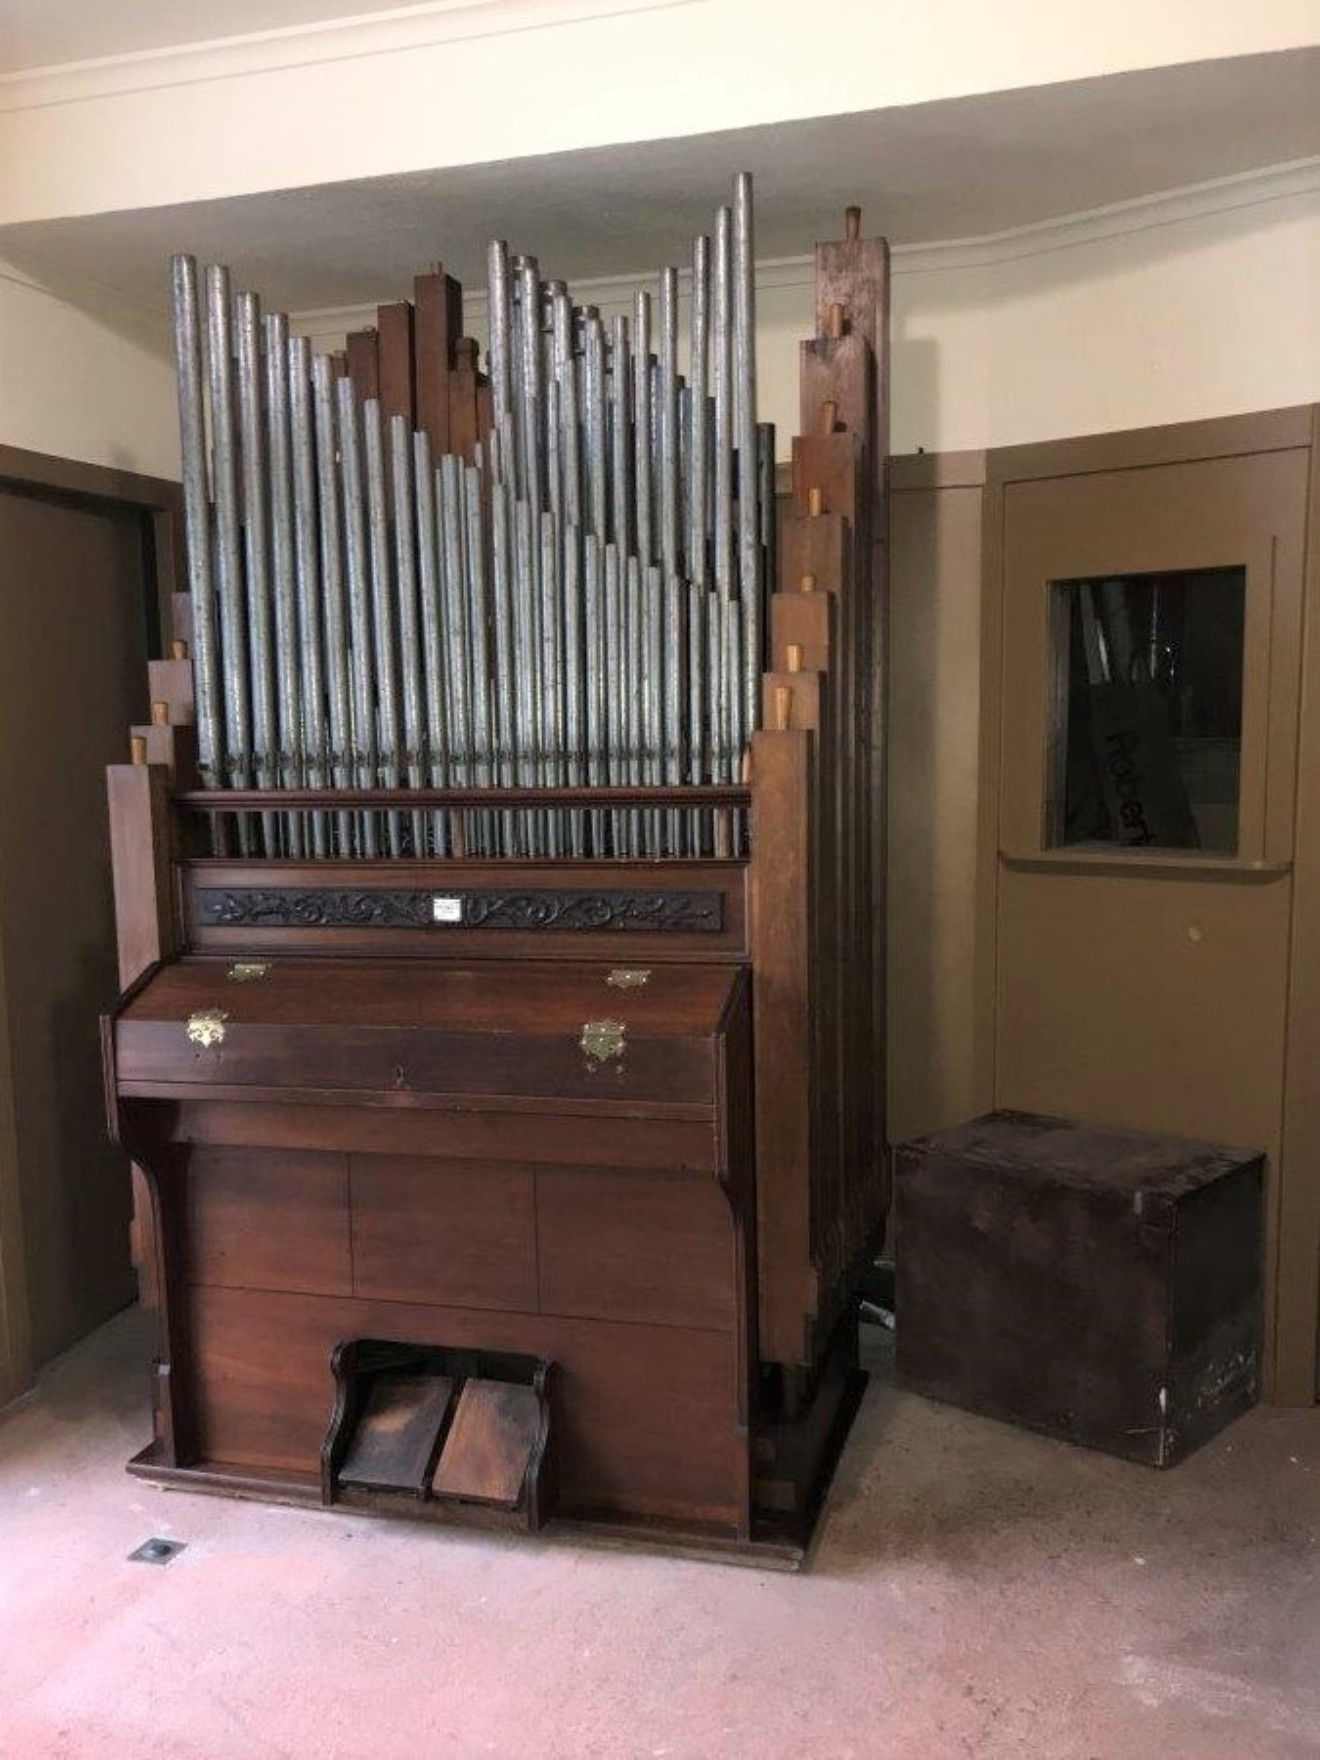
x,y
628,977
243,971
207,1026
603,1040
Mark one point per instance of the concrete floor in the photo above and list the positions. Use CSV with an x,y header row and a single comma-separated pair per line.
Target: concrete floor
x,y
975,1591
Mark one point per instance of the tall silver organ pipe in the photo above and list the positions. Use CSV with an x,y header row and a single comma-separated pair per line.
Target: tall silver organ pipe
x,y
577,599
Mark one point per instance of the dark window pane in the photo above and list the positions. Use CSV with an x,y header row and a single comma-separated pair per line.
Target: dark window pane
x,y
1147,737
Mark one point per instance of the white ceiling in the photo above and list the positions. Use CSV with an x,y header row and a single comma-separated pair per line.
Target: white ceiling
x,y
948,170
50,33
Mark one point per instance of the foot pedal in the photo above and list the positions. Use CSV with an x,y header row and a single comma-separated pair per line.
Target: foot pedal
x,y
490,1444
439,1431
394,1442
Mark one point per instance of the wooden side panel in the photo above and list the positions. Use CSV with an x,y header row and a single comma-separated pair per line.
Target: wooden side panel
x,y
854,273
626,1246
782,906
140,866
269,1219
426,1230
260,1387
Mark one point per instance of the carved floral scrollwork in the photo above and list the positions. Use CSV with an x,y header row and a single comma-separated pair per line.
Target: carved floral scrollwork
x,y
654,913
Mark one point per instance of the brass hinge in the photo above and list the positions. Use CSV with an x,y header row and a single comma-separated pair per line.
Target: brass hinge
x,y
604,1040
207,1026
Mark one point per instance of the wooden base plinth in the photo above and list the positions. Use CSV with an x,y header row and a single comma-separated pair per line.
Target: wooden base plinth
x,y
773,1550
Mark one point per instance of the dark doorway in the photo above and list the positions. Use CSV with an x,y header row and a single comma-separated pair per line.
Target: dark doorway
x,y
78,620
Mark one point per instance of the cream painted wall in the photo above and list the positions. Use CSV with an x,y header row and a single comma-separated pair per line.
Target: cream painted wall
x,y
1164,312
142,130
72,385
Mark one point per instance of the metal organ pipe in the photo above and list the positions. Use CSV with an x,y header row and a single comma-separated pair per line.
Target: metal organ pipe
x,y
576,600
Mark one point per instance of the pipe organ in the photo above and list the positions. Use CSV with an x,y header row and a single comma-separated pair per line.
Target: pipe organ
x,y
499,886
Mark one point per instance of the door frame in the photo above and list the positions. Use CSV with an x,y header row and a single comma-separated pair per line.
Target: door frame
x,y
161,502
1293,1325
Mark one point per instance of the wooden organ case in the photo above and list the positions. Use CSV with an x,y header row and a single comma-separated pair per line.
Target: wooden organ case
x,y
507,1144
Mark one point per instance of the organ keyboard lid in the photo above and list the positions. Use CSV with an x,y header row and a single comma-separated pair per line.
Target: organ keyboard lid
x,y
412,1032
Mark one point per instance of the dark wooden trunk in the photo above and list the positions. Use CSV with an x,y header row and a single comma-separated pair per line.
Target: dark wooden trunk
x,y
1095,1284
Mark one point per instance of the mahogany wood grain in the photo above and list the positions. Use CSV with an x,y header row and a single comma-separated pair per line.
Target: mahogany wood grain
x,y
835,466
269,1219
548,1139
173,746
394,349
364,363
140,863
820,546
783,902
806,621
465,423
171,681
531,1000
411,1027
459,1234
647,1247
838,373
855,273
438,303
160,1234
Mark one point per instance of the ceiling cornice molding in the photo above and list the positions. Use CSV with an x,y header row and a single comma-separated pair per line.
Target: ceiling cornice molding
x,y
260,52
1199,201
615,293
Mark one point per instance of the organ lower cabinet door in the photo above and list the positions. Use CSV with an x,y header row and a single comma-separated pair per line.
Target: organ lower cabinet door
x,y
1149,676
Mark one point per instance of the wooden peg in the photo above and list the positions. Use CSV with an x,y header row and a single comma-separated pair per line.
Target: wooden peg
x,y
178,650
783,707
829,416
794,656
807,584
834,321
852,224
137,748
160,714
815,503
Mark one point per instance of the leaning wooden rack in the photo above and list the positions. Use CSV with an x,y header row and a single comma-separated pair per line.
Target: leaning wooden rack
x,y
508,1136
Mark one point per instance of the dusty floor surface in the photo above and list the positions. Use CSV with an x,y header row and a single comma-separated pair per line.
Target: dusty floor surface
x,y
974,1591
